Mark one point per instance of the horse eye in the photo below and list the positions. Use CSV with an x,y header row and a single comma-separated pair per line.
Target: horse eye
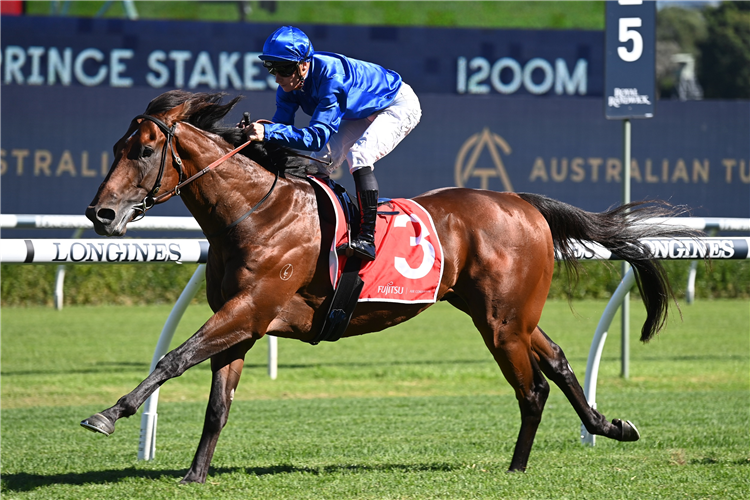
x,y
148,151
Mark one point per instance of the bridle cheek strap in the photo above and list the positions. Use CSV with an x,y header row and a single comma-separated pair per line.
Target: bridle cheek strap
x,y
149,201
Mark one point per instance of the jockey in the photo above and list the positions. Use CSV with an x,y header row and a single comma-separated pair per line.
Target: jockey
x,y
359,113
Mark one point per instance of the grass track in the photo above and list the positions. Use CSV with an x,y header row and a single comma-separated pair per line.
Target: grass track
x,y
418,411
524,15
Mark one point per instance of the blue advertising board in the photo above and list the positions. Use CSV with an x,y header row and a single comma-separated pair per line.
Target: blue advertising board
x,y
115,53
57,139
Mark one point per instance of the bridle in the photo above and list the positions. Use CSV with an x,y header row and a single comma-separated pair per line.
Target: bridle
x,y
151,199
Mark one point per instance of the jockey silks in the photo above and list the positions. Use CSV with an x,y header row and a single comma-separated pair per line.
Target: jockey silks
x,y
336,88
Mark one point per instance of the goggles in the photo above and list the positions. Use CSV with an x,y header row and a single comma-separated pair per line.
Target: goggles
x,y
283,69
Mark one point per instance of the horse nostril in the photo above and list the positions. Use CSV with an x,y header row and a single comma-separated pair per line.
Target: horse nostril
x,y
105,215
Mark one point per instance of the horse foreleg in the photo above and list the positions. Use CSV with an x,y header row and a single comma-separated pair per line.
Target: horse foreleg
x,y
555,366
227,369
236,322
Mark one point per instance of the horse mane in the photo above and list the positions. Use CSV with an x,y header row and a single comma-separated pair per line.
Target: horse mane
x,y
205,110
201,109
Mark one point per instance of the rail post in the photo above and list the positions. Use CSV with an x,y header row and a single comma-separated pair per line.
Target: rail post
x,y
597,346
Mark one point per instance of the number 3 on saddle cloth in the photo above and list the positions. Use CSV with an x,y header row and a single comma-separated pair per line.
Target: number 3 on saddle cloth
x,y
408,267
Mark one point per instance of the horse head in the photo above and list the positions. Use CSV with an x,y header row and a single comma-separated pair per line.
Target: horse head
x,y
146,162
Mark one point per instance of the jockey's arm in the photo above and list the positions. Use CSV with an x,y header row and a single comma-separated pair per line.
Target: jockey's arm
x,y
324,122
312,138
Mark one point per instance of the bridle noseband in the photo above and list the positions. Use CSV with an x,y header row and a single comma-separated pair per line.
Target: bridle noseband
x,y
149,201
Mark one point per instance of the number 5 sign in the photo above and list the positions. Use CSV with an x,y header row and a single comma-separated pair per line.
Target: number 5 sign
x,y
629,76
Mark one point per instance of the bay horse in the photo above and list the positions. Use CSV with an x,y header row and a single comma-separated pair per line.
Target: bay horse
x,y
497,267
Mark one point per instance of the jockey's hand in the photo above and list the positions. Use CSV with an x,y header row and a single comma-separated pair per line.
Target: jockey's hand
x,y
255,132
245,120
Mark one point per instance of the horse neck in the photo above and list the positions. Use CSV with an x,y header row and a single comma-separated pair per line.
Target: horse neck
x,y
227,191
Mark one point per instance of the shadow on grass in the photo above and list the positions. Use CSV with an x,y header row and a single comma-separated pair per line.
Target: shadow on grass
x,y
142,367
106,367
23,481
101,367
363,364
346,469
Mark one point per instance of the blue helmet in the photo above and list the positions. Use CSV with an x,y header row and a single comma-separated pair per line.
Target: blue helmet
x,y
287,44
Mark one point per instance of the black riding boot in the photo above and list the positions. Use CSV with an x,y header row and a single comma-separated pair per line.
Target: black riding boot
x,y
367,195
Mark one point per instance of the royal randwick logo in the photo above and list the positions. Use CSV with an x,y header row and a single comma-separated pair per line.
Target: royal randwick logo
x,y
480,156
625,97
390,289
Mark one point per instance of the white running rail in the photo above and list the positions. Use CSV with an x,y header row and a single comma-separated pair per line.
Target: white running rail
x,y
112,251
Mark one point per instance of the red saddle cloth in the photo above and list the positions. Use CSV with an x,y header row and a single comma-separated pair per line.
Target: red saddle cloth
x,y
409,263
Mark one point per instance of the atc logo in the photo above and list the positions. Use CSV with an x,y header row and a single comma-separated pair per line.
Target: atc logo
x,y
470,161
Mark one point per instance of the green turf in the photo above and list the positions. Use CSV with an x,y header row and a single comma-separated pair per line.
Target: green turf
x,y
524,15
418,411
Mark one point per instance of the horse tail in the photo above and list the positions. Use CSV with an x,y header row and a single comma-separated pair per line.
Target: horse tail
x,y
618,230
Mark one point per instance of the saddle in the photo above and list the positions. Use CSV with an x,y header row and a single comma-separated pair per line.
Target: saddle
x,y
346,294
409,266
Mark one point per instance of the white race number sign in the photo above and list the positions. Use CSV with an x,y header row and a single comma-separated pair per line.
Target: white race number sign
x,y
630,64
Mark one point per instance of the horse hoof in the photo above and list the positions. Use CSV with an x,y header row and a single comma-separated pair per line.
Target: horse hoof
x,y
629,431
190,480
99,423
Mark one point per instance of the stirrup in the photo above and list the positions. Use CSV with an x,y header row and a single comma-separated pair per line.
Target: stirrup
x,y
363,249
345,249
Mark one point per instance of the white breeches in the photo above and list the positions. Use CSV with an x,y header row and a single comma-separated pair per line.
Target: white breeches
x,y
363,142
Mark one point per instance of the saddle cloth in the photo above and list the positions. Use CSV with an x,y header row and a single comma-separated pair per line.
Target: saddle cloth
x,y
409,263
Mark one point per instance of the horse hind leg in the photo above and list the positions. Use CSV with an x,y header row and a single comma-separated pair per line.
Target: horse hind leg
x,y
510,348
227,369
555,366
531,401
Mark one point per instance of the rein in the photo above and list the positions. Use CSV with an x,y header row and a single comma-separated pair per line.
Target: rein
x,y
151,199
247,214
176,190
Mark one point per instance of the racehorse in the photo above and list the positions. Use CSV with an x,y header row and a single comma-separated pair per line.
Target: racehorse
x,y
258,220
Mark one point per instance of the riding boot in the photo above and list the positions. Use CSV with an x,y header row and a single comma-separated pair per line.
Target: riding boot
x,y
364,244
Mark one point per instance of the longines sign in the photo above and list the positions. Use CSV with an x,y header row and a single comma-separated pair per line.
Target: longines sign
x,y
674,249
128,251
101,251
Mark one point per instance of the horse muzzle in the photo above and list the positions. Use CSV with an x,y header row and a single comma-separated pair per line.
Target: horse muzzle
x,y
107,221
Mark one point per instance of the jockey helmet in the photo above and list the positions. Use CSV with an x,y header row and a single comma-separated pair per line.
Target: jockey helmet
x,y
287,44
